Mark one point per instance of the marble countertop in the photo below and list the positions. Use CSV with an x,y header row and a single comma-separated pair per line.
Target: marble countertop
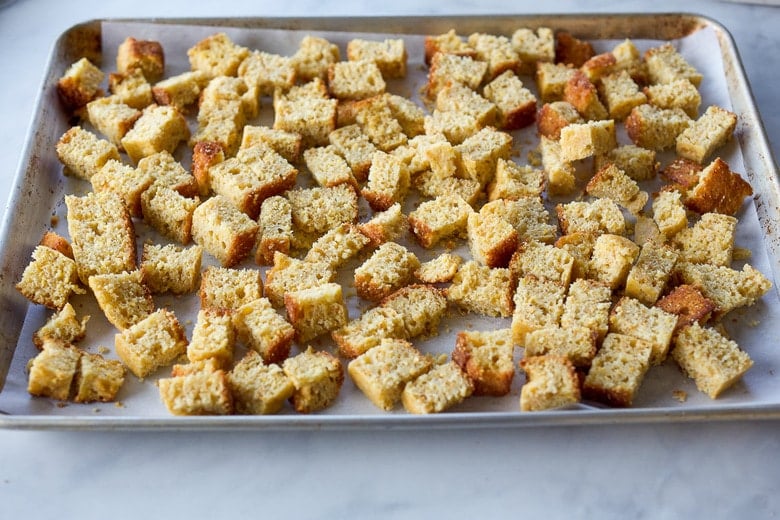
x,y
679,470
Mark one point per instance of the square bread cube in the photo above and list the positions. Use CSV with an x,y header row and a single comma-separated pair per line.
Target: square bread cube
x,y
128,182
112,118
450,68
611,182
636,162
440,269
527,215
217,55
689,305
317,377
229,289
156,341
311,117
267,71
580,246
430,186
447,43
480,153
258,388
656,128
264,330
551,382
200,392
533,47
455,126
131,88
491,239
328,167
587,304
409,115
289,274
367,331
169,213
487,358
680,93
652,270
572,51
286,144
516,104
49,279
551,80
80,84
718,190
389,55
666,64
617,370
727,288
706,134
63,326
559,172
144,55
612,259
583,95
160,128
554,116
122,297
221,123
420,307
375,116
583,140
478,288
597,216
180,91
169,173
621,94
497,51
337,246
313,57
440,218
170,268
543,261
276,231
437,390
223,230
98,379
52,371
356,148
577,344
388,182
382,372
538,304
669,213
388,269
652,324
316,310
83,153
512,181
320,209
355,79
213,338
456,97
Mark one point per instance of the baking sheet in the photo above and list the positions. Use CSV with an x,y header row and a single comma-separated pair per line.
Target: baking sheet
x,y
758,394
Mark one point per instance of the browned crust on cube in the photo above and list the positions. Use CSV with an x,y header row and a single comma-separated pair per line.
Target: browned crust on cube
x,y
377,200
580,92
689,305
520,117
549,122
719,190
431,48
571,50
146,55
611,397
493,386
57,242
205,154
682,172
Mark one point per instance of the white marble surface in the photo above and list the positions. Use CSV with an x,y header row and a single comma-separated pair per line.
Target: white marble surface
x,y
701,470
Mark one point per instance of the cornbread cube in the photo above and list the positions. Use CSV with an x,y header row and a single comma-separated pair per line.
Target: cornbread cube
x,y
169,213
621,94
420,307
369,330
583,95
356,148
709,241
169,173
612,259
180,91
513,181
580,246
617,370
317,377
679,93
727,288
50,278
111,117
646,230
80,84
487,359
689,305
551,80
533,47
83,154
597,216
440,269
355,79
410,116
442,158
286,144
264,330
451,68
320,209
583,140
652,324
103,234
652,270
491,239
267,71
313,57
52,371
290,274
714,362
337,246
228,289
160,128
201,392
221,124
611,182
527,215
384,226
224,232
570,50
636,162
156,341
448,43
587,304
554,116
388,269
665,65
388,182
442,387
456,97
217,55
543,261
63,326
382,372
656,128
122,297
480,153
389,55
718,190
213,337
311,117
497,51
258,388
275,229
327,167
538,303
98,379
171,268
377,121
577,344
706,134
442,217
559,172
223,89
478,288
124,180
628,58
454,126
669,213
551,382
132,89
428,185
146,56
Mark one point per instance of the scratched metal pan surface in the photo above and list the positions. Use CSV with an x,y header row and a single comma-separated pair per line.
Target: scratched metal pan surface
x,y
36,205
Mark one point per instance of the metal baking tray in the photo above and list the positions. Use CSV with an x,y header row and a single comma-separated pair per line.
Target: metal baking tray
x,y
35,204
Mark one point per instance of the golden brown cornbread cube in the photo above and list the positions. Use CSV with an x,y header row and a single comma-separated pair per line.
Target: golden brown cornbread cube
x,y
599,66
111,117
620,94
221,124
451,68
317,377
582,140
311,117
290,274
456,97
319,209
388,181
718,190
382,372
611,182
98,379
533,47
201,392
224,232
429,185
384,226
416,151
258,388
727,288
527,215
377,121
491,239
656,128
440,269
448,43
52,371
80,84
551,382
83,153
144,55
263,330
217,55
63,326
652,270
226,89
587,304
267,71
513,181
169,213
617,371
160,128
571,50
652,324
389,55
356,148
337,246
612,259
50,278
706,134
275,229
714,362
355,80
689,305
554,116
328,167
103,234
543,261
441,157
487,358
538,304
156,341
551,80
228,289
437,390
367,331
410,116
497,51
597,216
420,307
170,268
131,88
628,58
213,337
679,93
583,95
128,182
636,162
709,241
478,288
560,173
442,217
665,65
180,91
122,297
480,153
388,269
286,144
313,57
168,172
580,246
454,126
669,213
577,344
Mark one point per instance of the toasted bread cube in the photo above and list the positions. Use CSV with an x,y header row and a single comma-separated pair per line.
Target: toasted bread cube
x,y
714,362
669,213
382,372
448,43
551,382
200,392
612,259
290,274
577,344
317,377
656,128
478,288
388,182
410,116
665,65
80,84
369,330
180,91
513,181
52,371
533,47
583,140
50,278
160,128
313,57
587,304
480,153
229,289
487,358
554,116
103,234
718,190
527,215
453,125
621,94
583,96
275,229
491,239
497,51
156,341
559,172
580,246
224,232
451,68
617,370
679,93
128,182
629,59
224,89
598,216
144,55
420,307
221,124
543,261
727,288
267,71
258,388
355,80
388,269
376,118
132,89
388,55
572,51
611,182
217,55
205,154
63,326
652,270
652,324
311,117
319,209
706,134
264,330
551,80
327,167
439,218
709,241
83,154
169,213
286,144
440,269
689,305
538,304
456,97
355,147
112,118
122,297
97,379
213,337
168,172
646,230
384,226
429,185
636,162
171,268
337,246
442,158
442,387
